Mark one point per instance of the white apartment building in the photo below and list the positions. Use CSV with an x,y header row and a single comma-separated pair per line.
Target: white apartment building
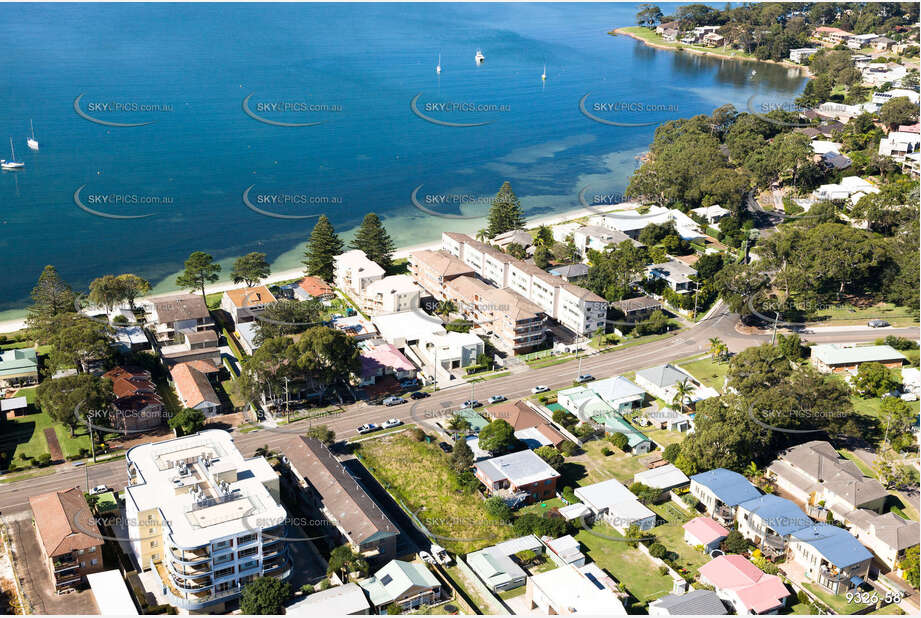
x,y
898,144
631,222
354,272
576,308
391,295
204,518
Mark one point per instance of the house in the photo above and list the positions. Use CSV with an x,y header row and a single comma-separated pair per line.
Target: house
x,y
668,418
383,359
712,39
613,503
564,231
246,335
637,309
137,406
899,144
324,485
574,512
70,540
391,294
520,415
836,161
194,388
451,350
583,402
570,272
884,97
612,422
675,273
800,54
130,338
597,238
744,586
669,25
859,41
631,222
533,438
12,407
18,367
171,315
573,590
665,477
521,238
354,272
194,345
346,600
619,393
494,564
822,147
842,358
769,520
433,269
705,532
408,585
721,491
245,304
519,476
832,35
568,549
313,288
657,380
711,214
851,188
815,475
888,536
831,557
355,326
693,603
882,43
199,512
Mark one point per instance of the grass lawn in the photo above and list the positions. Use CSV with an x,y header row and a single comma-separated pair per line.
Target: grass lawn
x,y
888,610
663,437
420,476
636,571
25,436
213,301
651,37
846,314
671,535
461,581
539,508
709,372
837,602
598,467
511,594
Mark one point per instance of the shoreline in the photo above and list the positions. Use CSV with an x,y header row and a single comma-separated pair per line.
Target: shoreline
x,y
16,324
784,63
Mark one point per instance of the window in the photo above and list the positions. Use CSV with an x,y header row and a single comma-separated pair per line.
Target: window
x,y
93,562
154,557
82,565
150,531
223,572
153,543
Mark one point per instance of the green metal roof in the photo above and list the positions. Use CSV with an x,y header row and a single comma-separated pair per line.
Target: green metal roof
x,y
615,423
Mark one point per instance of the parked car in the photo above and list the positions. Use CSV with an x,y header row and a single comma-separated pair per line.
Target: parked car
x,y
419,395
445,447
392,422
367,428
472,403
496,399
539,389
440,554
98,489
394,401
878,323
909,397
585,377
426,557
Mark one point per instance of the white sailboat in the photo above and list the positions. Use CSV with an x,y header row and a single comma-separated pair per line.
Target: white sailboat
x,y
32,142
543,76
12,164
479,56
438,66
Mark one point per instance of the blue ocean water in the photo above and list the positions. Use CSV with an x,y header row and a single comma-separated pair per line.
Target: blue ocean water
x,y
362,64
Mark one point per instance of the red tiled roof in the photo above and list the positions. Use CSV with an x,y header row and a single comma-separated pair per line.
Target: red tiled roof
x,y
193,386
61,519
315,286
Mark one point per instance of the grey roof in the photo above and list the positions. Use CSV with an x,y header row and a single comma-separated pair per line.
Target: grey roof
x,y
339,600
663,477
673,270
836,354
522,543
836,545
570,270
13,403
778,514
818,463
663,375
616,388
641,303
695,602
180,307
494,567
897,533
519,468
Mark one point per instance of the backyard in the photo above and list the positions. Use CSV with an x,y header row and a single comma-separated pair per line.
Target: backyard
x,y
636,571
24,436
457,519
671,535
593,467
707,371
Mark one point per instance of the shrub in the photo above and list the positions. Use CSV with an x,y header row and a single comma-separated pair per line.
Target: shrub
x,y
43,460
417,434
657,550
606,451
307,589
619,440
663,570
569,495
690,500
568,448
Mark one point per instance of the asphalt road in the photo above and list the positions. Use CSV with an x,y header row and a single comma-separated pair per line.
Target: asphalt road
x,y
15,496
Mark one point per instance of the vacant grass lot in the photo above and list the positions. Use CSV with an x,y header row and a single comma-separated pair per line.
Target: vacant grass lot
x,y
593,467
24,436
636,572
847,314
671,535
419,475
707,371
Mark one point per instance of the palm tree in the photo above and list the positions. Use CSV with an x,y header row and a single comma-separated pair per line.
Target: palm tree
x,y
716,347
458,423
482,235
752,471
683,390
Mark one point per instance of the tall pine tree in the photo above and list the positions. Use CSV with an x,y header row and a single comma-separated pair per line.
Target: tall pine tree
x,y
324,245
505,214
373,239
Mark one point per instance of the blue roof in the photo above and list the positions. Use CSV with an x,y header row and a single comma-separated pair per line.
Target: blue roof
x,y
779,514
837,545
730,487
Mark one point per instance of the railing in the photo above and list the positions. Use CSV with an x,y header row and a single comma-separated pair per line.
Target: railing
x,y
189,557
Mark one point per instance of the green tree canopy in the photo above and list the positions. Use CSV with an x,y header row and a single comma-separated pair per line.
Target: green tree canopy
x,y
60,398
187,421
200,270
250,269
497,437
373,239
264,596
506,213
322,248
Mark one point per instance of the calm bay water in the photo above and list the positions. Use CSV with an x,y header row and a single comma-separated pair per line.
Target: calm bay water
x,y
362,64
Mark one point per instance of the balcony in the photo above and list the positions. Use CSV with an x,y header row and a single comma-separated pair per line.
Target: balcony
x,y
273,549
182,570
272,567
191,585
64,563
190,557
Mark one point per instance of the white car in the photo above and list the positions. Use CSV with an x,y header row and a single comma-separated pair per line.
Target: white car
x,y
426,557
539,389
367,428
909,397
394,401
98,489
495,399
393,422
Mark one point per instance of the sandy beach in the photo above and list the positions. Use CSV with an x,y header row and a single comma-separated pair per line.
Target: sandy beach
x,y
14,325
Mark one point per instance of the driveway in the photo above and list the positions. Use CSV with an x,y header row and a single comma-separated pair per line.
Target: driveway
x,y
36,580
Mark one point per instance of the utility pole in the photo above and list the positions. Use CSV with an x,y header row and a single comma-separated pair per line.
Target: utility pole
x,y
696,290
287,401
774,331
